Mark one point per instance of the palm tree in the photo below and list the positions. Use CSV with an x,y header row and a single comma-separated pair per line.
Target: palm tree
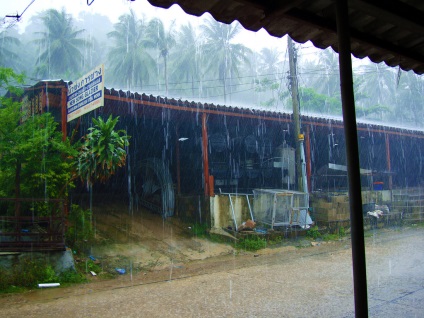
x,y
270,60
60,45
8,46
129,60
163,40
186,60
228,56
409,107
378,83
103,151
329,62
270,69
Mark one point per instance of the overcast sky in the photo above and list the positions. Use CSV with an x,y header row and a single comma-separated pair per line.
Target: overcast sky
x,y
115,8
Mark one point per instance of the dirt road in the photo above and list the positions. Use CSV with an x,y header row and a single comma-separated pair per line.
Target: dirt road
x,y
314,281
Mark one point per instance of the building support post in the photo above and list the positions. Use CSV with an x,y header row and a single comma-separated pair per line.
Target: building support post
x,y
389,166
64,112
352,152
64,104
43,101
177,154
308,159
205,154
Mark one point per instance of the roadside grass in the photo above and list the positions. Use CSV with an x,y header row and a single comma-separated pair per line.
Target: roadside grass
x,y
27,274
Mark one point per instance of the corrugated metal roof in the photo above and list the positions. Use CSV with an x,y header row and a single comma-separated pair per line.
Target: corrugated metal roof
x,y
391,31
184,105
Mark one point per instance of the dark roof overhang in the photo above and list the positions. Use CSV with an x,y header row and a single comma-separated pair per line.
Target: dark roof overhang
x,y
391,31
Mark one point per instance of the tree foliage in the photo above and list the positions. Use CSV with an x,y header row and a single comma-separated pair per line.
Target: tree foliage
x,y
186,65
35,162
163,40
60,45
311,101
228,55
102,152
9,46
130,62
207,61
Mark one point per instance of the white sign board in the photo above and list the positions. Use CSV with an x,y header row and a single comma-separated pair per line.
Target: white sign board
x,y
86,93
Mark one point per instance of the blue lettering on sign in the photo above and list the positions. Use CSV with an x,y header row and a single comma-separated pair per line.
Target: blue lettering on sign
x,y
85,101
82,89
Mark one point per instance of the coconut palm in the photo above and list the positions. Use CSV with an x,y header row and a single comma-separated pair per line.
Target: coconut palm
x,y
227,56
378,83
130,62
270,60
270,71
163,40
409,108
329,84
186,59
60,45
8,50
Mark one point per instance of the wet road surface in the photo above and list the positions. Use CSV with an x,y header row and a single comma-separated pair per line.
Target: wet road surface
x,y
312,281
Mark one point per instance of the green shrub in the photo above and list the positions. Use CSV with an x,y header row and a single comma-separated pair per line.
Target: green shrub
x,y
72,277
251,243
313,233
199,229
28,273
79,230
89,266
330,237
5,279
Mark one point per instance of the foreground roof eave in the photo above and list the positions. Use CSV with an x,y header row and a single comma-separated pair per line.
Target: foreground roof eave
x,y
390,32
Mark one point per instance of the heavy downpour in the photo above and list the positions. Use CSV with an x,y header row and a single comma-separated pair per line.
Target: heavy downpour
x,y
211,159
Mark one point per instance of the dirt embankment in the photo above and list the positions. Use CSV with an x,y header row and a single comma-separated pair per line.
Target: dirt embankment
x,y
144,241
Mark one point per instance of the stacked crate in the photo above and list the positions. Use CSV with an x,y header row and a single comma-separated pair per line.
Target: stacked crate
x,y
331,208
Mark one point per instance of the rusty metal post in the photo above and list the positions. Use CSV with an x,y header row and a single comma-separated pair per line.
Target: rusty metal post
x,y
205,154
352,154
388,161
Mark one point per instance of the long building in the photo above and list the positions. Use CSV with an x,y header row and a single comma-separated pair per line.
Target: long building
x,y
181,149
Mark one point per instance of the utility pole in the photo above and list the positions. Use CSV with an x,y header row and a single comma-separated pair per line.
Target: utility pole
x,y
296,120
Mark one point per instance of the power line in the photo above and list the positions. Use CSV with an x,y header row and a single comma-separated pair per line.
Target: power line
x,y
17,17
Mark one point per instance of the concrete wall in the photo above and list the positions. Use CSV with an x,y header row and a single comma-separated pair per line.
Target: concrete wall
x,y
221,212
61,261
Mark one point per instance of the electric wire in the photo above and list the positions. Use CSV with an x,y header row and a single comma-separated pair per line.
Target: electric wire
x,y
17,17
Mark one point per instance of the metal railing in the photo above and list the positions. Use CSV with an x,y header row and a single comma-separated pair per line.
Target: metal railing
x,y
32,230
